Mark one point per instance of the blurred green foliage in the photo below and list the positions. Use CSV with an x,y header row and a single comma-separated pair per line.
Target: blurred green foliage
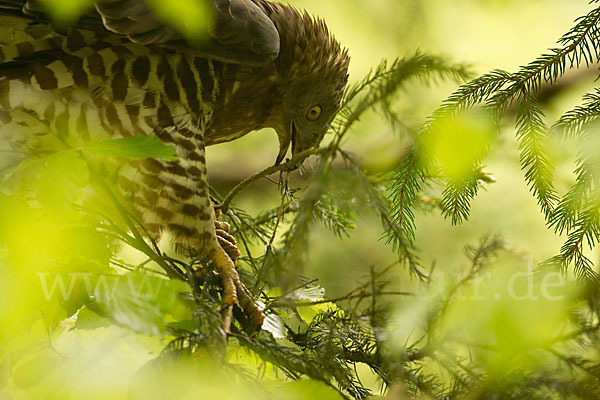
x,y
66,12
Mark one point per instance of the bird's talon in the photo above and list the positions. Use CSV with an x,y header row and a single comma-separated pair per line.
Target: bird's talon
x,y
229,248
234,291
225,235
223,226
226,240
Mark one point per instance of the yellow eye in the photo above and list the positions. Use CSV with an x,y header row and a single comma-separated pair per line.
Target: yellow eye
x,y
314,113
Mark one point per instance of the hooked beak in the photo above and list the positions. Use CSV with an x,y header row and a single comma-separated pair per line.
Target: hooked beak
x,y
284,143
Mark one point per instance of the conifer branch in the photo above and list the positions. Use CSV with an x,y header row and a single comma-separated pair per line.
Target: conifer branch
x,y
531,134
577,120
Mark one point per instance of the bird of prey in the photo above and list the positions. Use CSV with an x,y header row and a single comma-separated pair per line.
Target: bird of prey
x,y
121,71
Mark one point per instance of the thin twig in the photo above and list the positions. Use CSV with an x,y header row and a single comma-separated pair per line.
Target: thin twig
x,y
288,165
302,303
290,207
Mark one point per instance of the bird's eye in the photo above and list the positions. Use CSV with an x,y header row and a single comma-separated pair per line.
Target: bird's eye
x,y
314,113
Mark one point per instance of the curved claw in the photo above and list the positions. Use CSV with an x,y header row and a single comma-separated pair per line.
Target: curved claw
x,y
226,241
234,291
229,247
223,226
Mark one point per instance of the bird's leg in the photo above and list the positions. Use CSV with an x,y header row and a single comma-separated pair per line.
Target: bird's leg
x,y
226,241
243,295
234,291
230,278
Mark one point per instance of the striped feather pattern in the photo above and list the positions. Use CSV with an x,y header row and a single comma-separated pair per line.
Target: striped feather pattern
x,y
84,87
91,84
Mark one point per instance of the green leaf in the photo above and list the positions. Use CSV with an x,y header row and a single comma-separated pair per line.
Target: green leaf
x,y
89,320
141,302
137,147
55,179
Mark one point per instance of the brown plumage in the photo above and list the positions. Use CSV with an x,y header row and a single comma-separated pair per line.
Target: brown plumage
x,y
121,72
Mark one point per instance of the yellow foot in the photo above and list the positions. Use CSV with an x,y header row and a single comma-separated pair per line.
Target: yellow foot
x,y
229,277
227,241
234,291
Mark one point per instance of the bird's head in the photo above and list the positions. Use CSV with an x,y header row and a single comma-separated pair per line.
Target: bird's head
x,y
313,69
308,109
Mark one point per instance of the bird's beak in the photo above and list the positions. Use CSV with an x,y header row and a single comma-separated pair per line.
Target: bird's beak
x,y
284,143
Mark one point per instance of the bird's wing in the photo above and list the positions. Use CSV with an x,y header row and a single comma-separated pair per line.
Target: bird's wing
x,y
240,33
242,27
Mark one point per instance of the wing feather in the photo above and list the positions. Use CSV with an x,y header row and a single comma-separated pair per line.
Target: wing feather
x,y
240,32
